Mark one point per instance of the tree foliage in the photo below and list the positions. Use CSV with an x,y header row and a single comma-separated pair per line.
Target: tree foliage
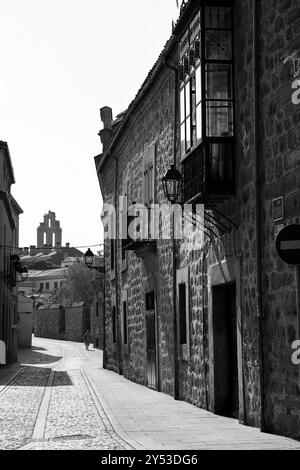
x,y
79,286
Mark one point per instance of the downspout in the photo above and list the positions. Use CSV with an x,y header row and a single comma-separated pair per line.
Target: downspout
x,y
119,335
258,211
104,360
175,327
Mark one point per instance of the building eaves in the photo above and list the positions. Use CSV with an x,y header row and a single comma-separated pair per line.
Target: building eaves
x,y
6,199
15,205
4,147
158,66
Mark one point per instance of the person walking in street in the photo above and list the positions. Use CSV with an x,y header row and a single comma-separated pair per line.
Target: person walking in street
x,y
87,339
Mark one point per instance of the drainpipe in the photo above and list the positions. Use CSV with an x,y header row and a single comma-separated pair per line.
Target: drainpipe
x,y
175,327
104,361
119,334
258,211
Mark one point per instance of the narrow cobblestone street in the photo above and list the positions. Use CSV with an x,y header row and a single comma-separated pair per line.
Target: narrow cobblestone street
x,y
59,398
49,405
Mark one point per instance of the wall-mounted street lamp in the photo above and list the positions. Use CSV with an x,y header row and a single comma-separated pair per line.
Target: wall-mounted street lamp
x,y
19,268
89,258
172,183
89,261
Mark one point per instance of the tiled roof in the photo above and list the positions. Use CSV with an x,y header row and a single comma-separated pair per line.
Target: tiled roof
x,y
39,256
50,273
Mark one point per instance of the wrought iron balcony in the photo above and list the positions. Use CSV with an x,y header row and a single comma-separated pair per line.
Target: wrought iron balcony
x,y
141,245
208,172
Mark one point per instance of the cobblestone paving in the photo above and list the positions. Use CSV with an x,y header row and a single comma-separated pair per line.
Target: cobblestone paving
x,y
75,418
19,406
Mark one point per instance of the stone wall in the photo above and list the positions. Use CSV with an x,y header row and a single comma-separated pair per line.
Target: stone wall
x,y
48,322
280,149
151,122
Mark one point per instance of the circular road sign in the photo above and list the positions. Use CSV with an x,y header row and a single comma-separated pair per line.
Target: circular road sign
x,y
288,244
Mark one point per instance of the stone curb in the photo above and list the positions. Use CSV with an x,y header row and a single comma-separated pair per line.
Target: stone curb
x,y
117,427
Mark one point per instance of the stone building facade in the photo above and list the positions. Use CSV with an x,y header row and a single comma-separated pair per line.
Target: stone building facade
x,y
212,324
9,241
63,323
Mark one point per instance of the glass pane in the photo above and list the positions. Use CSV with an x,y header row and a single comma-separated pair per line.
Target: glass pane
x,y
193,100
195,27
188,133
218,45
218,18
220,161
219,119
198,85
182,106
187,99
218,81
184,44
183,139
199,121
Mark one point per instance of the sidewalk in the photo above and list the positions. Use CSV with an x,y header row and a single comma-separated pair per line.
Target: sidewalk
x,y
150,420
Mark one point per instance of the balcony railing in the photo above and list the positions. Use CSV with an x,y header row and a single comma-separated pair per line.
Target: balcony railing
x,y
140,243
208,172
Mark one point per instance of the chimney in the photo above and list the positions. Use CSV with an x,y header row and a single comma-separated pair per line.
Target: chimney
x,y
26,251
32,250
106,133
67,245
106,117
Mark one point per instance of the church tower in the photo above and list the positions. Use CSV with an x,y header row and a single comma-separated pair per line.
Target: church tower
x,y
49,232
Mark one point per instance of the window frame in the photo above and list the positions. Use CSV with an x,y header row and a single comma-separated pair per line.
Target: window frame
x,y
206,141
124,241
183,278
125,325
149,186
112,265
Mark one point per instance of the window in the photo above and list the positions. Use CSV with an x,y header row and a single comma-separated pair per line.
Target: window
x,y
114,324
112,255
149,175
207,102
47,285
41,286
149,182
191,87
97,309
61,283
150,301
124,227
183,313
55,285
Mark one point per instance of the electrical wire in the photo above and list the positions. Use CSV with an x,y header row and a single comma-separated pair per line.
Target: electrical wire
x,y
51,248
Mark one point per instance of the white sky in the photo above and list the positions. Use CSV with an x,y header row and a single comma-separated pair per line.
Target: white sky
x,y
61,61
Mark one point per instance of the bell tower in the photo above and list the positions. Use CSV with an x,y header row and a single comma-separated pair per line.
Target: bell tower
x,y
49,233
